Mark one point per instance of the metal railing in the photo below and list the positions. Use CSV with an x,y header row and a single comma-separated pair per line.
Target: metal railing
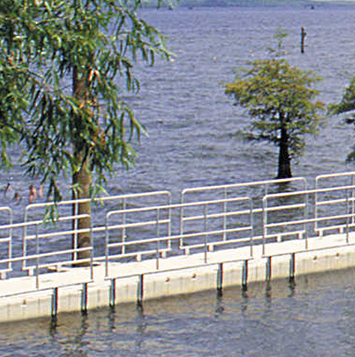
x,y
6,242
238,190
140,226
129,245
329,181
309,224
224,229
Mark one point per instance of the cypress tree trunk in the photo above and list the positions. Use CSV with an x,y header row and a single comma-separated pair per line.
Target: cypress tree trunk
x,y
284,170
82,179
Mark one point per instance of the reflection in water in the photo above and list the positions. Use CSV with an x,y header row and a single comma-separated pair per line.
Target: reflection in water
x,y
292,287
141,328
71,338
266,319
268,293
111,319
193,142
219,303
244,302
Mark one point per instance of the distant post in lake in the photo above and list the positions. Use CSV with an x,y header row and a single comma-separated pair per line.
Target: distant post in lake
x,y
303,36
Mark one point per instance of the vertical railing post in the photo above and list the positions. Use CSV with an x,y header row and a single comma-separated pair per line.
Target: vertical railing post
x,y
352,199
316,206
306,216
169,222
158,240
224,214
37,258
107,247
24,241
9,266
92,251
264,223
123,237
205,213
76,210
347,216
181,243
252,228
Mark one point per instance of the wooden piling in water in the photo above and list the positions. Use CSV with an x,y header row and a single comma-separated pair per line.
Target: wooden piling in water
x,y
303,36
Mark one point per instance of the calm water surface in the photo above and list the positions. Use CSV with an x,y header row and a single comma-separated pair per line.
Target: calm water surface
x,y
194,139
313,317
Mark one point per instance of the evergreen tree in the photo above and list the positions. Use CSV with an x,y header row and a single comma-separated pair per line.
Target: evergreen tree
x,y
64,66
280,99
347,105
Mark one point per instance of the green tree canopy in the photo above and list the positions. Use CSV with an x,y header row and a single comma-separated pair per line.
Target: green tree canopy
x,y
347,105
280,99
64,67
80,56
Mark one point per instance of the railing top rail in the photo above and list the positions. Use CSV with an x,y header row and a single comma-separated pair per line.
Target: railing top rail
x,y
5,208
340,174
41,221
97,199
296,193
246,184
177,205
134,195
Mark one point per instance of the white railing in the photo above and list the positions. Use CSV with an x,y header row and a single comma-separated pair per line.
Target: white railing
x,y
6,242
140,226
324,199
302,224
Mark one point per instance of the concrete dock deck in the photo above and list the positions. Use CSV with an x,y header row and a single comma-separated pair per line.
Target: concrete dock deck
x,y
215,237
73,289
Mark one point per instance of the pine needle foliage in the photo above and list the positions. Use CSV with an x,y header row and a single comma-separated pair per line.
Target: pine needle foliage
x,y
64,65
280,99
347,106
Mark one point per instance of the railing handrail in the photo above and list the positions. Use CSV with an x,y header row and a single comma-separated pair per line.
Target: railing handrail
x,y
219,221
245,184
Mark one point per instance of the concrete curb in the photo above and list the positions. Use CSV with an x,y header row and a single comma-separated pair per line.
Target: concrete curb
x,y
135,282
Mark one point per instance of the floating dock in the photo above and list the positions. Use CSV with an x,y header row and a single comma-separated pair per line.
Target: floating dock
x,y
226,236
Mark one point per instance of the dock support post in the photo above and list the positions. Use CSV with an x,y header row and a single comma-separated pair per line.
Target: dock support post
x,y
84,299
245,275
292,266
54,311
140,290
113,293
268,269
220,278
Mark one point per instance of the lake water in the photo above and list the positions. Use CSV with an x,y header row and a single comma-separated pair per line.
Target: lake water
x,y
194,139
194,129
313,317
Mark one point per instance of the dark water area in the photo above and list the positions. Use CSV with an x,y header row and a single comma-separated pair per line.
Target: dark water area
x,y
313,317
194,128
195,140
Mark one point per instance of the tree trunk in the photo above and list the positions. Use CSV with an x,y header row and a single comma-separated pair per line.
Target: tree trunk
x,y
284,170
82,179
